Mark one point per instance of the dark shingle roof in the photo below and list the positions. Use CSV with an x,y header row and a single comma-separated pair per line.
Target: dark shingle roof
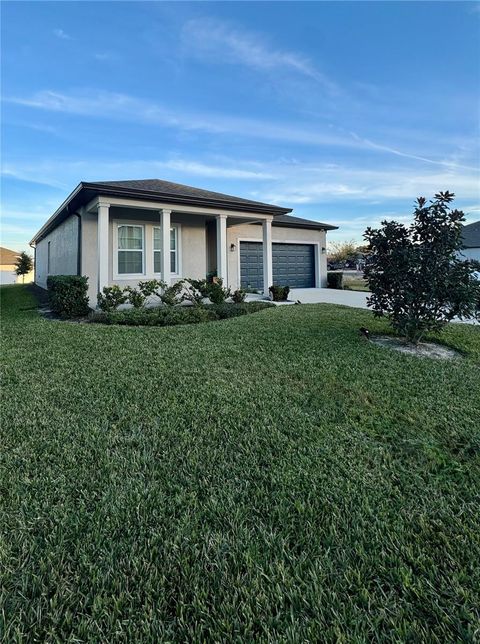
x,y
170,189
171,193
288,221
471,235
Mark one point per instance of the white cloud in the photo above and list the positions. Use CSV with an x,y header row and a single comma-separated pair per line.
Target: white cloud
x,y
317,190
221,42
283,182
59,33
64,173
316,184
14,229
102,104
106,56
122,106
205,170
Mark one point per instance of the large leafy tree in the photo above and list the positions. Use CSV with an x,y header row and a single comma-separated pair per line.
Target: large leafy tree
x,y
23,265
416,273
343,251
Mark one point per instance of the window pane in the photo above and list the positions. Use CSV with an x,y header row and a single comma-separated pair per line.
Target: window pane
x,y
130,261
157,261
157,238
130,237
173,261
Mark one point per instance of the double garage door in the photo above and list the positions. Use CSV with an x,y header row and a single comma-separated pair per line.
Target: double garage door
x,y
293,265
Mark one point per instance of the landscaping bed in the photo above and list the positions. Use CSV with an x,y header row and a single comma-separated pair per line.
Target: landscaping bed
x,y
273,478
175,315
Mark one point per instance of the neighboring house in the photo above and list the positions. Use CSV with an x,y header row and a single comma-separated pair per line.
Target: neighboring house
x,y
8,259
115,232
471,241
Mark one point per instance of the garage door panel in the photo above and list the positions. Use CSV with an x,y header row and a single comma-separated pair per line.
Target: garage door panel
x,y
293,265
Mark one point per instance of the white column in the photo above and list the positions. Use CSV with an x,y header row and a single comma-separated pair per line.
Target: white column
x,y
103,245
267,256
222,248
165,235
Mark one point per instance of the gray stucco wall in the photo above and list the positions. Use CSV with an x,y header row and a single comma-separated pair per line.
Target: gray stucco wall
x,y
63,252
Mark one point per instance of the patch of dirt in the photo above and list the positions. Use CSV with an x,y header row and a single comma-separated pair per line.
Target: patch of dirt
x,y
421,350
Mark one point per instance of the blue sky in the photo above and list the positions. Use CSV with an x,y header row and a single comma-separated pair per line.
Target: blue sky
x,y
345,111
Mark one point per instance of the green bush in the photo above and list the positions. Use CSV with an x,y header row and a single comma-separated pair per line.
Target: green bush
x,y
171,294
67,295
279,293
194,291
111,297
216,293
335,280
135,297
197,290
227,310
158,316
417,275
150,287
171,316
239,295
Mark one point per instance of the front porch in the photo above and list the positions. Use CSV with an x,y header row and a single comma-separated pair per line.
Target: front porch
x,y
128,241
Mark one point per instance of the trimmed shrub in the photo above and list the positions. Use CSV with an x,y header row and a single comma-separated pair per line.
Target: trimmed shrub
x,y
135,297
67,295
150,287
239,295
194,291
171,294
160,316
227,310
172,316
198,290
216,293
279,293
111,297
335,280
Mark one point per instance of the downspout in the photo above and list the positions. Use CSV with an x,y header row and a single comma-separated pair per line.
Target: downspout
x,y
34,261
79,243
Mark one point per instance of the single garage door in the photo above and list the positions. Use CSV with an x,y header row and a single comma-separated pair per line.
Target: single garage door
x,y
293,265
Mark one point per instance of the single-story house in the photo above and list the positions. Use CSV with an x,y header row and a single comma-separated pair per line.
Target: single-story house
x,y
8,259
121,232
471,241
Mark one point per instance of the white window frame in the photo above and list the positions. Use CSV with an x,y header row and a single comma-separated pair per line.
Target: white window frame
x,y
177,229
49,258
127,276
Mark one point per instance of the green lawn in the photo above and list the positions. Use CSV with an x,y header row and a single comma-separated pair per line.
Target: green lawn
x,y
272,477
355,284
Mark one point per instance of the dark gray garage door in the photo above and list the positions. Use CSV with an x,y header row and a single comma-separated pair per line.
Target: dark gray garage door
x,y
293,265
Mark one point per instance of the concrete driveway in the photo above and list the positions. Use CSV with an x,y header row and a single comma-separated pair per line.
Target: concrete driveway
x,y
355,299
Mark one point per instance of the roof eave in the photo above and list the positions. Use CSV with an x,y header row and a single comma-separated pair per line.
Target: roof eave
x,y
147,195
188,200
320,226
46,226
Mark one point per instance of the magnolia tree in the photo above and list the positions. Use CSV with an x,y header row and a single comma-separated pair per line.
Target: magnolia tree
x,y
416,273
